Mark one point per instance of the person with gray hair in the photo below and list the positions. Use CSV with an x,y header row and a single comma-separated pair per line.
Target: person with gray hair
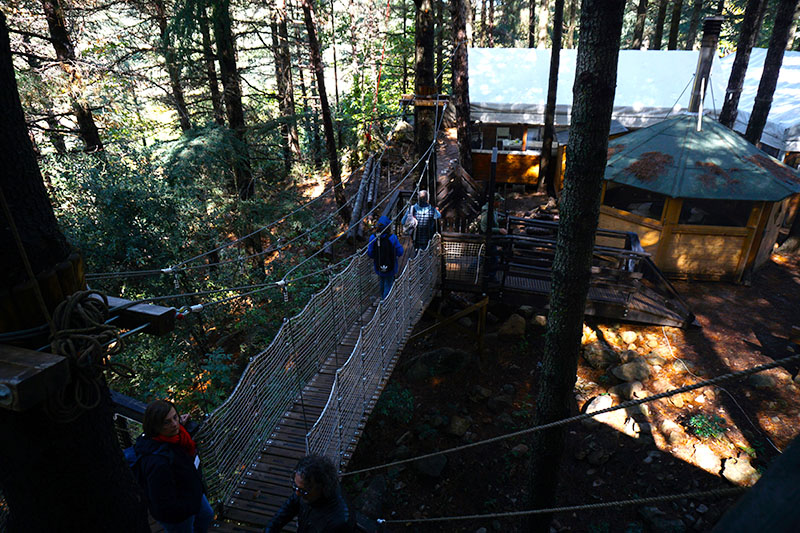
x,y
316,500
425,216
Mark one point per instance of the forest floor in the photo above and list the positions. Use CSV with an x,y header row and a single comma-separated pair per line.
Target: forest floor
x,y
677,445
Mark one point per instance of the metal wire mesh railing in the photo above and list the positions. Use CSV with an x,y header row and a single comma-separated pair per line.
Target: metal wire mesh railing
x,y
235,433
359,380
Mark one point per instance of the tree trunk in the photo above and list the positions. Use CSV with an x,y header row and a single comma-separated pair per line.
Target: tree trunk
x,y
595,81
226,48
772,67
173,68
720,7
65,52
571,23
490,29
283,75
532,24
694,23
439,45
658,32
50,470
211,71
793,31
53,133
675,24
638,29
792,243
546,158
483,22
405,56
424,116
753,16
327,121
458,12
541,24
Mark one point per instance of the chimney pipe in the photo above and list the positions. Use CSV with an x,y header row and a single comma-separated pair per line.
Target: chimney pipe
x,y
708,47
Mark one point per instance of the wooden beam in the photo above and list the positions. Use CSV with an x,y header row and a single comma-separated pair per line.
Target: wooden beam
x,y
27,377
161,319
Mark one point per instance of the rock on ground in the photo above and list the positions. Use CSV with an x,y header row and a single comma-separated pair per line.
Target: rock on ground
x,y
740,471
634,371
513,327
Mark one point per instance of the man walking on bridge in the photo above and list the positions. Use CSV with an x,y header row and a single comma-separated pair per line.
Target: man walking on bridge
x,y
426,216
384,249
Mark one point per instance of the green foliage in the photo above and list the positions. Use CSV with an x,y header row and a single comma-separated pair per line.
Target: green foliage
x,y
396,403
705,426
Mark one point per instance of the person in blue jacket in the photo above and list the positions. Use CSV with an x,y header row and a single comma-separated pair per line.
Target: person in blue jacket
x,y
168,470
385,249
425,216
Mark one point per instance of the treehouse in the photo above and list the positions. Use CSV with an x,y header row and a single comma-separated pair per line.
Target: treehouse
x,y
508,93
705,202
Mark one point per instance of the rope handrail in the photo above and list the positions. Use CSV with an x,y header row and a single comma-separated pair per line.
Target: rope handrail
x,y
577,418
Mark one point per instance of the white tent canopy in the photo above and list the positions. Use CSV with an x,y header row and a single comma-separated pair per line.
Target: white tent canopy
x,y
782,130
509,85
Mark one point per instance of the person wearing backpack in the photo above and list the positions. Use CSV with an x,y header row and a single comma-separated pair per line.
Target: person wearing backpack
x,y
426,216
384,248
168,468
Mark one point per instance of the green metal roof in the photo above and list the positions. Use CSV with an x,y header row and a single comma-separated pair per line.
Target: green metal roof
x,y
674,159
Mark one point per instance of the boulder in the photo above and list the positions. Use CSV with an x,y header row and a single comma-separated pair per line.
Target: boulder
x,y
458,426
706,459
739,471
764,380
655,360
371,500
614,418
630,391
599,356
499,403
480,393
519,450
626,356
628,337
634,371
431,466
513,327
525,310
540,320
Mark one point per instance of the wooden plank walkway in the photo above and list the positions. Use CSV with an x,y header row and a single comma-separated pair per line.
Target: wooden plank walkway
x,y
267,483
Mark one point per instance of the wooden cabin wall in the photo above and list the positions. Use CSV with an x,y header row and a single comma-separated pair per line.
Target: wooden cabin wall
x,y
649,230
516,167
769,227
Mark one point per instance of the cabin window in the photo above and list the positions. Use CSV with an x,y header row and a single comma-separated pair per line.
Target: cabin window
x,y
640,202
702,212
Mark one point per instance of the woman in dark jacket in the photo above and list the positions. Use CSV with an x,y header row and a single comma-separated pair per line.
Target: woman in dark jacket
x,y
169,471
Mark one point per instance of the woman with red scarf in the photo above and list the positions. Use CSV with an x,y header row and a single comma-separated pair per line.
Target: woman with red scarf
x,y
168,469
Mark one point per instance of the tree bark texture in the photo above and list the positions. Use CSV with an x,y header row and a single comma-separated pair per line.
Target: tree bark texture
x,y
638,29
424,117
546,158
211,70
674,24
595,83
172,66
232,91
658,32
458,12
55,476
753,16
793,33
532,24
53,133
572,18
65,52
694,23
772,67
327,120
439,45
483,22
283,75
490,29
541,23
